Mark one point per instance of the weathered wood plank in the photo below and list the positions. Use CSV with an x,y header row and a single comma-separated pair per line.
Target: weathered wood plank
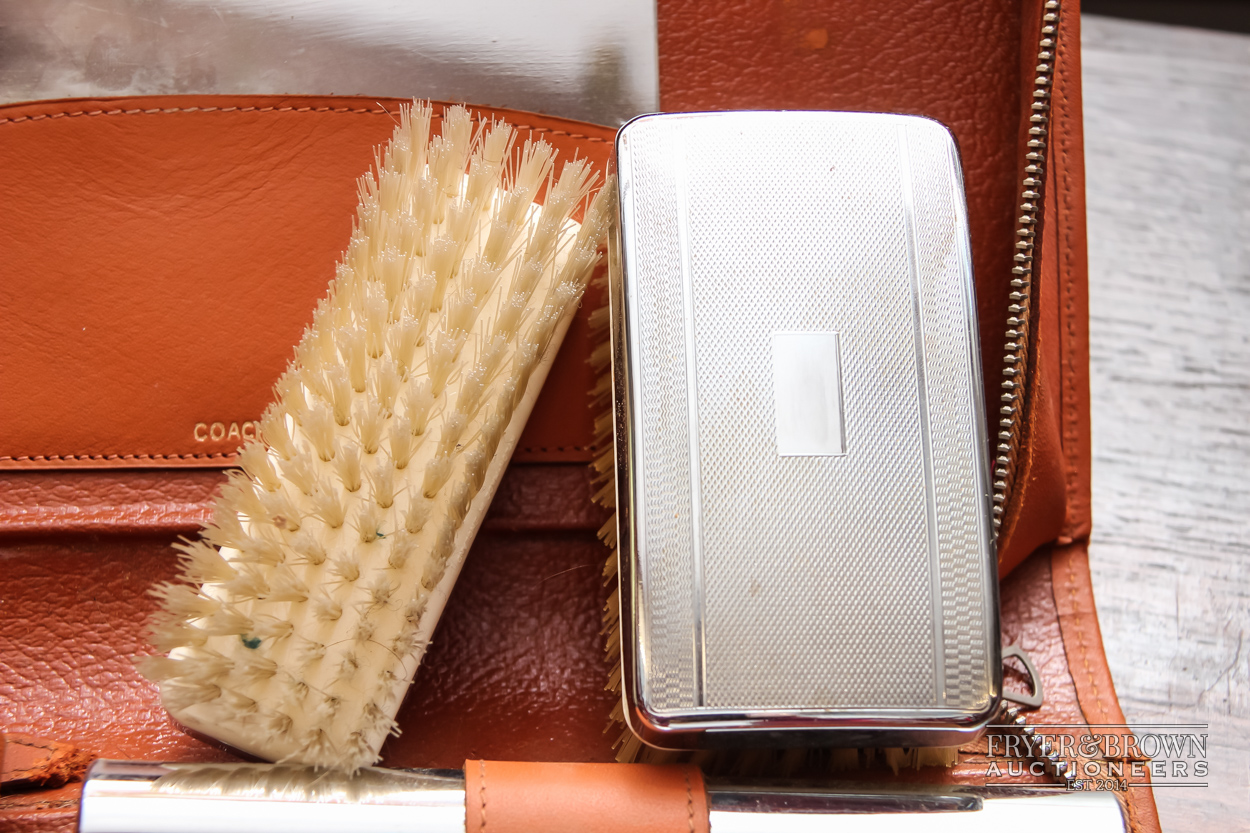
x,y
1167,115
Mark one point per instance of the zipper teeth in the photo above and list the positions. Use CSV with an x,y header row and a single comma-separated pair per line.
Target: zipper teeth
x,y
1016,351
1038,746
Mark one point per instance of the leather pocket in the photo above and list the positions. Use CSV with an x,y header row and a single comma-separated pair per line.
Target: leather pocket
x,y
163,255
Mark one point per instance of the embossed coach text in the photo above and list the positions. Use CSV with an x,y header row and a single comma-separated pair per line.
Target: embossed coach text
x,y
222,431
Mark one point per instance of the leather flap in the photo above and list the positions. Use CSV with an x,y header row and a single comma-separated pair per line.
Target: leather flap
x,y
163,255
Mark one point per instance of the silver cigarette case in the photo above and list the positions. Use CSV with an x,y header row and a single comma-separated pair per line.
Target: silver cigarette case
x,y
803,487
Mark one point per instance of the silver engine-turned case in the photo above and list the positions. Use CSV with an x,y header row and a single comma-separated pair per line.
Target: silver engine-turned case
x,y
802,476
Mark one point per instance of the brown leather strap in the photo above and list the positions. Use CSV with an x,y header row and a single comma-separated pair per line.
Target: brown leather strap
x,y
503,797
1087,661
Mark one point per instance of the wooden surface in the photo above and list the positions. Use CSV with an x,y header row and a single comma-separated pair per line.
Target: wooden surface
x,y
1167,120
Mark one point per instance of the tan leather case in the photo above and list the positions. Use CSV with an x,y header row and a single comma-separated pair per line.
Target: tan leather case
x,y
162,256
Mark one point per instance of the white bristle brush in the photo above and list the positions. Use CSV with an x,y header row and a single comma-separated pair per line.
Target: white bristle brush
x,y
312,595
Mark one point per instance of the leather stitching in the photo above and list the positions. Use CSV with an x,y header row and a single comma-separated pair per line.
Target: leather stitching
x,y
1095,705
163,111
689,803
1071,424
1070,430
1077,619
482,792
1078,624
598,139
1068,408
270,109
1071,420
52,458
220,455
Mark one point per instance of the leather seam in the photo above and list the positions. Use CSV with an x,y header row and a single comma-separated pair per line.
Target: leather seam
x,y
1069,434
553,132
482,792
269,109
689,803
1078,624
155,111
1075,620
52,458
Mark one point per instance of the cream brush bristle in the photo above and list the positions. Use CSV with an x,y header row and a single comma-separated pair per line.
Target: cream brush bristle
x,y
310,599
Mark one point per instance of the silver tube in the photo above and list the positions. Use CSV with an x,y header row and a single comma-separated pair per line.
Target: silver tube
x,y
121,797
855,808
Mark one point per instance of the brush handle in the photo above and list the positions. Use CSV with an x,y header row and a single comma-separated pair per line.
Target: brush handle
x,y
499,797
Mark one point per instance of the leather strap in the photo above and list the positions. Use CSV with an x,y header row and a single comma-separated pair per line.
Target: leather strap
x,y
1087,662
505,797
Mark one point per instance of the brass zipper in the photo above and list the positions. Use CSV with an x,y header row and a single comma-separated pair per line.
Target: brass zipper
x,y
1032,189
